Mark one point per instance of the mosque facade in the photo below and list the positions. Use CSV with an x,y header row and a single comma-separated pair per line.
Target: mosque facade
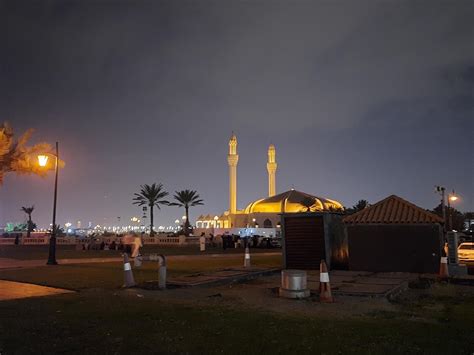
x,y
265,212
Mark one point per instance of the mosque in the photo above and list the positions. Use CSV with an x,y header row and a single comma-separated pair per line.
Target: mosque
x,y
265,212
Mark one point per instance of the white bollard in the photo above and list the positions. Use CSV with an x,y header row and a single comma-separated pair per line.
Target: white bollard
x,y
162,277
247,257
137,262
202,243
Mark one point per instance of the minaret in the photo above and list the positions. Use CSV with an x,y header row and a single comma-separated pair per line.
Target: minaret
x,y
271,167
232,160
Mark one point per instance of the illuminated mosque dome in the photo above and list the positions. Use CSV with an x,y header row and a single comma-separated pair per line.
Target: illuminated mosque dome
x,y
265,212
293,201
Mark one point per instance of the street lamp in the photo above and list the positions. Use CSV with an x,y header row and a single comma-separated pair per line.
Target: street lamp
x,y
451,198
43,160
215,221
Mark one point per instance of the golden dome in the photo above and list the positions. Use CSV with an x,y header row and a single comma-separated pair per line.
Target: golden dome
x,y
292,201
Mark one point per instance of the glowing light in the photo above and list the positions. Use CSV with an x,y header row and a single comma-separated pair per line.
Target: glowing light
x,y
42,160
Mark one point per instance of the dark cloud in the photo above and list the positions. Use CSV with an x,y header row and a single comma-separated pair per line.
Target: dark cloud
x,y
138,91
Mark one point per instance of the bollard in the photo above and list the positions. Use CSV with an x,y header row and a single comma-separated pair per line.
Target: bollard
x,y
128,274
202,243
162,273
137,262
162,278
247,257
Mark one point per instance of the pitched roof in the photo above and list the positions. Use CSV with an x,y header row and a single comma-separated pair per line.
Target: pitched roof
x,y
393,210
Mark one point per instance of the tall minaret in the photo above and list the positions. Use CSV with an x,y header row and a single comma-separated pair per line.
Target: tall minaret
x,y
271,167
233,159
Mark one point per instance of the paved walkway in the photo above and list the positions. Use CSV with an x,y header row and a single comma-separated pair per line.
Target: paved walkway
x,y
6,263
10,290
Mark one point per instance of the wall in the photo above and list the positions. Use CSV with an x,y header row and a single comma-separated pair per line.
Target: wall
x,y
392,248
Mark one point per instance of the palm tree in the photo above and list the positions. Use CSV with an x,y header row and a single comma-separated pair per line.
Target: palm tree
x,y
29,211
186,199
151,195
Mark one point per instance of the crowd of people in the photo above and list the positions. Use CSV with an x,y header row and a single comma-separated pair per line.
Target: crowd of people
x,y
129,243
236,241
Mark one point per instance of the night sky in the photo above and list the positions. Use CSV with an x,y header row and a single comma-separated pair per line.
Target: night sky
x,y
361,99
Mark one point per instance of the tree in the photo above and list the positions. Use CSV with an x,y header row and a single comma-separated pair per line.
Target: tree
x,y
186,199
30,224
456,216
151,196
359,206
16,156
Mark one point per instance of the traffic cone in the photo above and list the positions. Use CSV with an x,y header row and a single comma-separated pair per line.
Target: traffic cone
x,y
128,274
324,285
247,257
443,266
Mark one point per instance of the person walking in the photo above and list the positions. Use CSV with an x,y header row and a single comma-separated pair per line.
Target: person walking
x,y
137,244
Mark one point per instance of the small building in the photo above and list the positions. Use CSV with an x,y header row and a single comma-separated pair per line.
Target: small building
x,y
394,235
309,237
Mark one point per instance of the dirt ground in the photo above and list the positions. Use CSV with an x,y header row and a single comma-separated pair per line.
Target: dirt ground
x,y
262,294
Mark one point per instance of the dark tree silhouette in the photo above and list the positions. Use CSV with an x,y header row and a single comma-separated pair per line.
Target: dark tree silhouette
x,y
151,196
186,199
457,217
359,206
30,224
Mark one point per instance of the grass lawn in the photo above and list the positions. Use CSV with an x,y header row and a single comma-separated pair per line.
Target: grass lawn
x,y
35,252
110,275
110,323
104,319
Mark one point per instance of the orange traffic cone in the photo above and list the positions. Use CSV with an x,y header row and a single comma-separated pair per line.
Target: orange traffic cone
x,y
128,274
324,285
443,266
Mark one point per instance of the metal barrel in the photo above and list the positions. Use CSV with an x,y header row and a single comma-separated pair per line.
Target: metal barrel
x,y
294,284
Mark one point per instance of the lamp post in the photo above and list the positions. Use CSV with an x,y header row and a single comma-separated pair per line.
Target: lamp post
x,y
451,198
215,221
43,159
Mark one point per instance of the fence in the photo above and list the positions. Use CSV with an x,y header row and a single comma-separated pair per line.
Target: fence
x,y
165,241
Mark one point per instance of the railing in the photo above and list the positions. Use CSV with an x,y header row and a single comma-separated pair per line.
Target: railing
x,y
38,241
168,241
7,241
34,241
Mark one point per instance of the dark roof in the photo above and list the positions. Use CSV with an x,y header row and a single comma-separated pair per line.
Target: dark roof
x,y
393,210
